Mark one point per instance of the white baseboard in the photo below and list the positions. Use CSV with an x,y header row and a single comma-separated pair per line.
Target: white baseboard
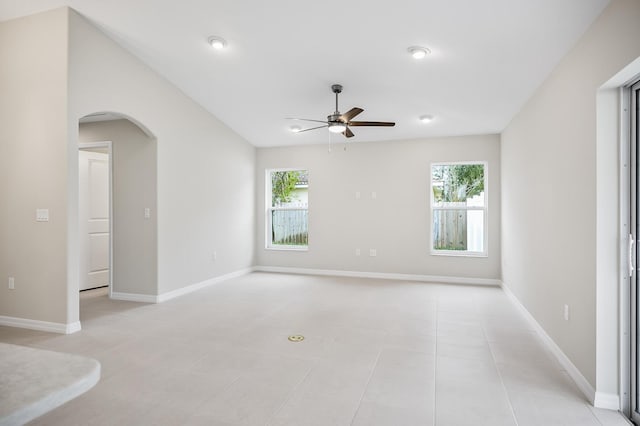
x,y
52,327
146,298
134,297
597,399
607,400
197,286
381,275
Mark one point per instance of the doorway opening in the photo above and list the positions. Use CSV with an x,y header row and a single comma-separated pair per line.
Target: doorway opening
x,y
117,220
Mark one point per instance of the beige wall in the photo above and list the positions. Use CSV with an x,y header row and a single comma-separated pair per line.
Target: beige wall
x,y
134,178
33,166
205,171
396,223
551,224
55,68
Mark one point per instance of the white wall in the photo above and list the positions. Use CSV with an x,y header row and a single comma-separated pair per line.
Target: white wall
x,y
552,179
396,223
33,166
135,249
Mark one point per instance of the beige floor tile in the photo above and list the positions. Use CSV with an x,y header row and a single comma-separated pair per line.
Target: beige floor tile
x,y
316,410
469,371
377,414
461,403
467,349
246,402
538,379
610,417
531,409
402,379
377,352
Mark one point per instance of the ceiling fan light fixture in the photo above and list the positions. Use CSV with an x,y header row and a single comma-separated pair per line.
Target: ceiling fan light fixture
x,y
217,43
426,118
419,52
337,127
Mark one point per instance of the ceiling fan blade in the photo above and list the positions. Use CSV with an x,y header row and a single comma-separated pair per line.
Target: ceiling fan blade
x,y
312,128
371,123
351,113
306,119
348,133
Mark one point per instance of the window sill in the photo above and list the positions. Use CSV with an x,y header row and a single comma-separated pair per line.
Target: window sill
x,y
287,248
454,253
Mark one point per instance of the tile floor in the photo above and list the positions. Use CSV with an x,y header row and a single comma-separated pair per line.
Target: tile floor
x,y
376,352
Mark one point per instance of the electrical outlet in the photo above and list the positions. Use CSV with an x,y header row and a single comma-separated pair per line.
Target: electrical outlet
x,y
12,283
147,213
373,252
565,312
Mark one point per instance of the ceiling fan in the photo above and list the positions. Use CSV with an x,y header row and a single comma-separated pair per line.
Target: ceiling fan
x,y
341,123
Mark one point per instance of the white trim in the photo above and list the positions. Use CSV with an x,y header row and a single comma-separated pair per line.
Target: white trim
x,y
73,327
52,327
287,248
268,244
433,207
624,220
134,297
197,286
580,381
381,275
607,401
148,298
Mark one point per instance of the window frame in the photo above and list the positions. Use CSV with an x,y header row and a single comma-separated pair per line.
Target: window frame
x,y
485,209
269,208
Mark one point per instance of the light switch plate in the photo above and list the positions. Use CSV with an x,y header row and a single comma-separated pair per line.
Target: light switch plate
x,y
42,215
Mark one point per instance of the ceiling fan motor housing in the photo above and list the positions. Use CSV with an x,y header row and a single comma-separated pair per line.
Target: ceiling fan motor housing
x,y
335,118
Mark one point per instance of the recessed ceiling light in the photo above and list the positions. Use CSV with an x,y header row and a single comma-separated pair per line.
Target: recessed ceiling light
x,y
426,118
295,129
217,43
418,52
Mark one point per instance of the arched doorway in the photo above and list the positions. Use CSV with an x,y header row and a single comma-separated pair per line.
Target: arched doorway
x,y
121,254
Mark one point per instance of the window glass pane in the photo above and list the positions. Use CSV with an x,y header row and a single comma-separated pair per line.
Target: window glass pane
x,y
458,183
289,188
289,227
288,212
458,229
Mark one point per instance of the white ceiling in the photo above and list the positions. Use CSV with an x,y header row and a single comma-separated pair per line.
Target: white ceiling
x,y
488,58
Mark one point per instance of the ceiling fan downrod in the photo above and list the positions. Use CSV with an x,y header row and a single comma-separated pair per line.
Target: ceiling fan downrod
x,y
337,88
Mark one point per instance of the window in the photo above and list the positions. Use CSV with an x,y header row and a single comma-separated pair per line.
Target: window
x,y
287,201
459,209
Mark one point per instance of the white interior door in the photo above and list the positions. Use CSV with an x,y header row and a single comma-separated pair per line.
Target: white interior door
x,y
94,209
